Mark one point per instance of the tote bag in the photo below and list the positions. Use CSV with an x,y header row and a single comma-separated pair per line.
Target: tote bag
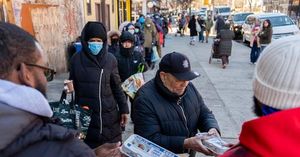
x,y
70,115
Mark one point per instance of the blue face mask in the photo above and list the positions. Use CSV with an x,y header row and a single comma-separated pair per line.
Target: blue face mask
x,y
142,20
95,47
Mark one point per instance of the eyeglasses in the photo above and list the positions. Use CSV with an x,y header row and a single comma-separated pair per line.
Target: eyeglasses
x,y
48,72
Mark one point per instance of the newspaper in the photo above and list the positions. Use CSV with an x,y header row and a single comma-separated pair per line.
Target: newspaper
x,y
137,146
131,85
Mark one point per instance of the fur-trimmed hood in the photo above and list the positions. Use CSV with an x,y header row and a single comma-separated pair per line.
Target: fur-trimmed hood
x,y
110,34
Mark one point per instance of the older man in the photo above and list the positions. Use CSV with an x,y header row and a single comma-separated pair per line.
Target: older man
x,y
24,111
168,110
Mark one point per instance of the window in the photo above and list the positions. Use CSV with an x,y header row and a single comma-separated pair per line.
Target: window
x,y
89,7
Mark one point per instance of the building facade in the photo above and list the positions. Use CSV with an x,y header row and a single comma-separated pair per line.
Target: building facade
x,y
54,23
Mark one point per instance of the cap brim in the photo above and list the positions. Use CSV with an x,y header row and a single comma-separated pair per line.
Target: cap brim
x,y
187,76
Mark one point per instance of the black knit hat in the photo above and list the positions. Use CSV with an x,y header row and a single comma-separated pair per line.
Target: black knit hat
x,y
95,30
125,36
178,65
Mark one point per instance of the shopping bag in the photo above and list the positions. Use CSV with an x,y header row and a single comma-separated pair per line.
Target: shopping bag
x,y
198,27
154,55
70,115
131,85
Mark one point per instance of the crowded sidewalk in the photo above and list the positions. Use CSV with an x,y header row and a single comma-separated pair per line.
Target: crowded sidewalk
x,y
227,92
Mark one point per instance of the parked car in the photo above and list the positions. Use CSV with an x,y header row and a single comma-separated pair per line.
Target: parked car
x,y
203,14
281,23
237,22
224,11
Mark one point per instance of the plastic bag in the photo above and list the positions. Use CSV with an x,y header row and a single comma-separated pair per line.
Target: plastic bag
x,y
154,55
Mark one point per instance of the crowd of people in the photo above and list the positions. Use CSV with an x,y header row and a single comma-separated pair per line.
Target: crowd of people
x,y
260,36
168,110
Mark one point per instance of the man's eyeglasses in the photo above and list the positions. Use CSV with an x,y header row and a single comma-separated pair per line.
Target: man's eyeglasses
x,y
48,72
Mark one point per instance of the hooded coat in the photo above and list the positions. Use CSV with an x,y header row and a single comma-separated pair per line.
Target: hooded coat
x,y
97,84
225,46
112,47
275,135
220,23
26,130
128,59
168,119
139,36
150,33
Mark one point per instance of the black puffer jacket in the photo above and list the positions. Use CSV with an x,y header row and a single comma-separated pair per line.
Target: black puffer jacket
x,y
128,59
97,84
167,119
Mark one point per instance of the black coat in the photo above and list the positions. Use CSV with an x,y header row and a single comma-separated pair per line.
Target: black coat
x,y
97,84
220,24
192,27
158,115
128,63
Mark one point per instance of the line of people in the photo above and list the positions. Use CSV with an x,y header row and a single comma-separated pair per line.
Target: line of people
x,y
168,110
197,27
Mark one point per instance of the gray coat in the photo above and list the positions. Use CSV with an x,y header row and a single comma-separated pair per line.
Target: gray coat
x,y
25,132
225,45
24,135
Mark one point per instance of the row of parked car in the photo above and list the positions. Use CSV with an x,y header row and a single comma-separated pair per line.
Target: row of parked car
x,y
283,25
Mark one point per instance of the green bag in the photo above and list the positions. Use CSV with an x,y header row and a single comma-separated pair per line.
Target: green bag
x,y
71,115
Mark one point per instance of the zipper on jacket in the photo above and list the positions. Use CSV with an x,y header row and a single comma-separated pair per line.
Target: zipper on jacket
x,y
185,120
100,103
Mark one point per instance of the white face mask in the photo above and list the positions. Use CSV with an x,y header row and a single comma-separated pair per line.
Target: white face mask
x,y
131,31
148,25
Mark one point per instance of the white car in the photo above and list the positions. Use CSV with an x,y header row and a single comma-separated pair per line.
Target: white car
x,y
282,25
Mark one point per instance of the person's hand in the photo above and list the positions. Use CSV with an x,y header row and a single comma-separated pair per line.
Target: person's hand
x,y
195,144
213,131
68,86
108,149
124,120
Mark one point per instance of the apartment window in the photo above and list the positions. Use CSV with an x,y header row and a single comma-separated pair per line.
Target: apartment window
x,y
89,7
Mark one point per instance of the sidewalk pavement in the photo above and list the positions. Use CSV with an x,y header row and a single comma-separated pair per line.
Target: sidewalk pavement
x,y
227,92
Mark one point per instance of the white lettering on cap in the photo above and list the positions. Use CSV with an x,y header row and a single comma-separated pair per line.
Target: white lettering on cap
x,y
185,64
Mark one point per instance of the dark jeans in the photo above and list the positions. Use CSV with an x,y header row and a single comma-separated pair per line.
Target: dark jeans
x,y
262,48
201,37
255,51
148,53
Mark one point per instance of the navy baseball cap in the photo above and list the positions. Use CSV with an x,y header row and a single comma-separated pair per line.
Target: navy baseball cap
x,y
178,65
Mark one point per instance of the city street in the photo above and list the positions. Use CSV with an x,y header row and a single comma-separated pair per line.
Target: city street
x,y
227,92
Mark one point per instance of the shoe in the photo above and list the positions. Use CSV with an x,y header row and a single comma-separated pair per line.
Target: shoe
x,y
206,41
254,63
224,66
